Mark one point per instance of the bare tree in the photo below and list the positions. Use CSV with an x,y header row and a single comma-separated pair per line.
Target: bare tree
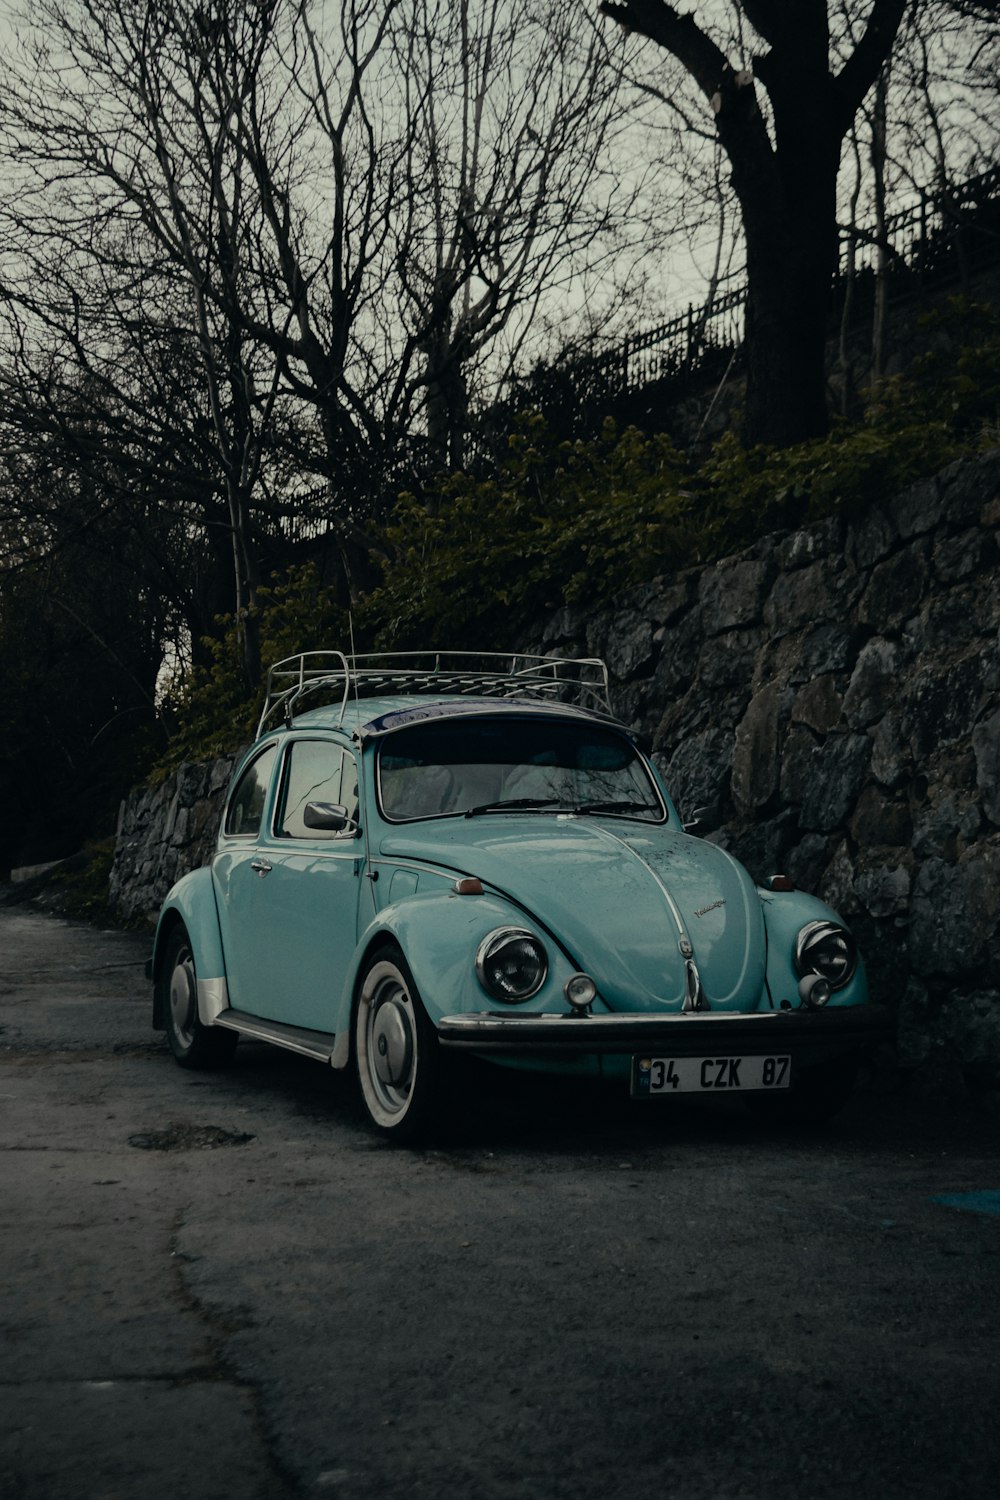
x,y
133,231
339,213
785,159
931,124
514,192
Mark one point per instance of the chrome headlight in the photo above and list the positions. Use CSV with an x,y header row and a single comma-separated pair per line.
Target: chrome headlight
x,y
828,950
511,964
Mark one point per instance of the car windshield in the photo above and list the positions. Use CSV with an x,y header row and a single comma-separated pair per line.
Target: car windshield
x,y
473,766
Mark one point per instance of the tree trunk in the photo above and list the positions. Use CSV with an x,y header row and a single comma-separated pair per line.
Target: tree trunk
x,y
790,227
878,159
788,306
787,187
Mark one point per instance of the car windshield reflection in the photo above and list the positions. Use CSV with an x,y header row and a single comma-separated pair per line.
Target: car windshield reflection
x,y
472,767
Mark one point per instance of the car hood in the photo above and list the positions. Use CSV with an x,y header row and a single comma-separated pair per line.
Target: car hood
x,y
623,900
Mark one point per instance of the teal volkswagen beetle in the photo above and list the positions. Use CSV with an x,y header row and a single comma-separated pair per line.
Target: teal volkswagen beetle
x,y
470,854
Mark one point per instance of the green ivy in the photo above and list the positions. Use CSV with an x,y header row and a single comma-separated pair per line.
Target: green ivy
x,y
557,523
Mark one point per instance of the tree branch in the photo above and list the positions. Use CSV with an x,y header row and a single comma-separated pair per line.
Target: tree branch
x,y
865,63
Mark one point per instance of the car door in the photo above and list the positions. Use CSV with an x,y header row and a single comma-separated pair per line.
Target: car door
x,y
291,911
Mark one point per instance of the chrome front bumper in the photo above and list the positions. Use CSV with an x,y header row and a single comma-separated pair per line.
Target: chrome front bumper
x,y
690,1034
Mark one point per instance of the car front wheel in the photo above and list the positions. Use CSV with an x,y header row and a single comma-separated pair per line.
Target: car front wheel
x,y
193,1044
395,1049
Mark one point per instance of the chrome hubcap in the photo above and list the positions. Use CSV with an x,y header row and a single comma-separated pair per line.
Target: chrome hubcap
x,y
390,1038
393,1039
183,998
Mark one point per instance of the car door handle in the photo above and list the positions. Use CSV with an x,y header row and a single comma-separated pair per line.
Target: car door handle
x,y
262,866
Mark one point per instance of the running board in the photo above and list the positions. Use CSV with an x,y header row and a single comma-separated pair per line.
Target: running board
x,y
317,1044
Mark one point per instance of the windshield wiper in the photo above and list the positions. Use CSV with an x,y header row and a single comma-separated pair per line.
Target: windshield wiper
x,y
615,807
512,804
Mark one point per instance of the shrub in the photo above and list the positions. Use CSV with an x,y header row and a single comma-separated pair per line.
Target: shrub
x,y
477,560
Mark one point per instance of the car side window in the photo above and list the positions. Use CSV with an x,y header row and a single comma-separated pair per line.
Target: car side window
x,y
246,805
316,771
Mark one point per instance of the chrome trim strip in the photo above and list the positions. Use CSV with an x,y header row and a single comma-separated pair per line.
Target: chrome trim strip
x,y
498,938
682,932
316,1044
213,998
694,999
680,1033
814,932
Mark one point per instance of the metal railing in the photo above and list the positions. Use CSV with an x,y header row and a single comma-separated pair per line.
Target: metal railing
x,y
326,677
956,230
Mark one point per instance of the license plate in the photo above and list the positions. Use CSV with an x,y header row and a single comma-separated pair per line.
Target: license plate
x,y
708,1075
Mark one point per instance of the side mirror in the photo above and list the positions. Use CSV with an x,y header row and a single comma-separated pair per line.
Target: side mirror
x,y
703,820
328,817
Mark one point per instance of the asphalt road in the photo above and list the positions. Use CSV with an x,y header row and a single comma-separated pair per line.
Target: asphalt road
x,y
224,1288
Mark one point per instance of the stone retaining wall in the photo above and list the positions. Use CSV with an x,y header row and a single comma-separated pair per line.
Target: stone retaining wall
x,y
836,692
164,831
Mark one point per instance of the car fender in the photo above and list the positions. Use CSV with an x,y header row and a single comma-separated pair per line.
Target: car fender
x,y
439,933
192,902
785,914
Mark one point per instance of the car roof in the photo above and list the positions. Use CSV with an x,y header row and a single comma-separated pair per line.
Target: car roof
x,y
370,718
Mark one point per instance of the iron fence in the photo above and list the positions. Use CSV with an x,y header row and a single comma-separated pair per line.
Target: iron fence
x,y
947,235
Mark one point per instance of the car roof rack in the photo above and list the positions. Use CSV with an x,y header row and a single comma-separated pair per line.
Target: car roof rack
x,y
331,677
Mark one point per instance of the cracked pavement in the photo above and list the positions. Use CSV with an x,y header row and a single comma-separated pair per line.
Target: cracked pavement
x,y
222,1285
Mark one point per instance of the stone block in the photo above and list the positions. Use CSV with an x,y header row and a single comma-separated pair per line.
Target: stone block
x,y
872,683
191,782
798,751
762,846
697,774
948,621
780,660
882,886
686,715
836,884
220,772
628,699
945,825
940,704
669,601
986,746
917,509
871,539
629,649
806,861
165,832
566,625
823,539
837,773
678,656
880,820
915,1022
755,761
970,1020
732,593
896,589
955,912
968,486
806,596
818,704
727,661
829,648
957,557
